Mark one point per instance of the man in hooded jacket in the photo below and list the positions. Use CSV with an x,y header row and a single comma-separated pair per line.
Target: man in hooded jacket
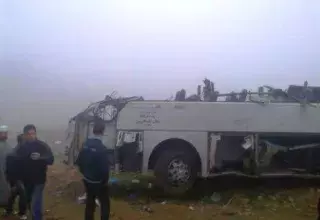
x,y
94,166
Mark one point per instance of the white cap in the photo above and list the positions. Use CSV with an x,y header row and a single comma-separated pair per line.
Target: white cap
x,y
3,128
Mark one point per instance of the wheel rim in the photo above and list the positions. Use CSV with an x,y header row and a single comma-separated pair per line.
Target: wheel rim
x,y
178,172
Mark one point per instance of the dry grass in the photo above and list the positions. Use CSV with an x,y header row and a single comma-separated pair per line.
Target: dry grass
x,y
64,185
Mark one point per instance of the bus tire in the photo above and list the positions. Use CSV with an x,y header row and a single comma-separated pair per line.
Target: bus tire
x,y
176,171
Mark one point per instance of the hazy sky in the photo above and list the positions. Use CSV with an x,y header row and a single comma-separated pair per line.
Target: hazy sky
x,y
56,56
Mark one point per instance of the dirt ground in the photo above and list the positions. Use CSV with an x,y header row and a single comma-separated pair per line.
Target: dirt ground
x,y
133,203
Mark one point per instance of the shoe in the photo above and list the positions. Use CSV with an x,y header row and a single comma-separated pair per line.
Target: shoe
x,y
23,217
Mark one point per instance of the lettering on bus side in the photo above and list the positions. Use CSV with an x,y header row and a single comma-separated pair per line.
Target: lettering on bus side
x,y
147,118
143,106
177,106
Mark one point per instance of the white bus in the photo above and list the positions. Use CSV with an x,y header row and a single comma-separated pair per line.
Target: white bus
x,y
181,141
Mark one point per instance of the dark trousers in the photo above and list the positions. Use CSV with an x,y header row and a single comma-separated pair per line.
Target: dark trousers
x,y
97,191
17,189
34,198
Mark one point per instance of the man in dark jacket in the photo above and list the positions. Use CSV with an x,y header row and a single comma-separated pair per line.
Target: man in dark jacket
x,y
94,166
17,188
34,156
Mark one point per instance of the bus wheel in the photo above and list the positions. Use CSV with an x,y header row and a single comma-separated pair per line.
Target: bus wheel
x,y
175,171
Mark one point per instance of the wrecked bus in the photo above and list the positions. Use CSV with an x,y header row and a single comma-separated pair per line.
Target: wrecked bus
x,y
265,135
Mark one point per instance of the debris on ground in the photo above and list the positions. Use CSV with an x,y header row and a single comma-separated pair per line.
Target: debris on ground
x,y
113,180
215,197
64,187
164,202
191,208
135,181
146,209
82,200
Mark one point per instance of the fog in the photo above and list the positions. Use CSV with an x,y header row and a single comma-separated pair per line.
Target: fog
x,y
57,56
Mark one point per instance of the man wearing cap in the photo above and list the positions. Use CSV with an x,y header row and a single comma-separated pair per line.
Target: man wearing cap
x,y
5,149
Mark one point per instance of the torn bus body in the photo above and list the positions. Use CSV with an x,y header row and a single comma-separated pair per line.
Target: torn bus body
x,y
254,134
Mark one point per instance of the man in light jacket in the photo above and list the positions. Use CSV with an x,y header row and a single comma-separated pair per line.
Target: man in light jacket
x,y
5,149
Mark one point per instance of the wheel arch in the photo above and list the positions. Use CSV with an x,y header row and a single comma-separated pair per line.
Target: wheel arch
x,y
174,144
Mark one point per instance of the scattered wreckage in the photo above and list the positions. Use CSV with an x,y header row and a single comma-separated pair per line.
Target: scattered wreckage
x,y
265,133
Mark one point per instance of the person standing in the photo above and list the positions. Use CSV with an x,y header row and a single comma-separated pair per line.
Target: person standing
x,y
5,149
94,166
16,186
34,156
